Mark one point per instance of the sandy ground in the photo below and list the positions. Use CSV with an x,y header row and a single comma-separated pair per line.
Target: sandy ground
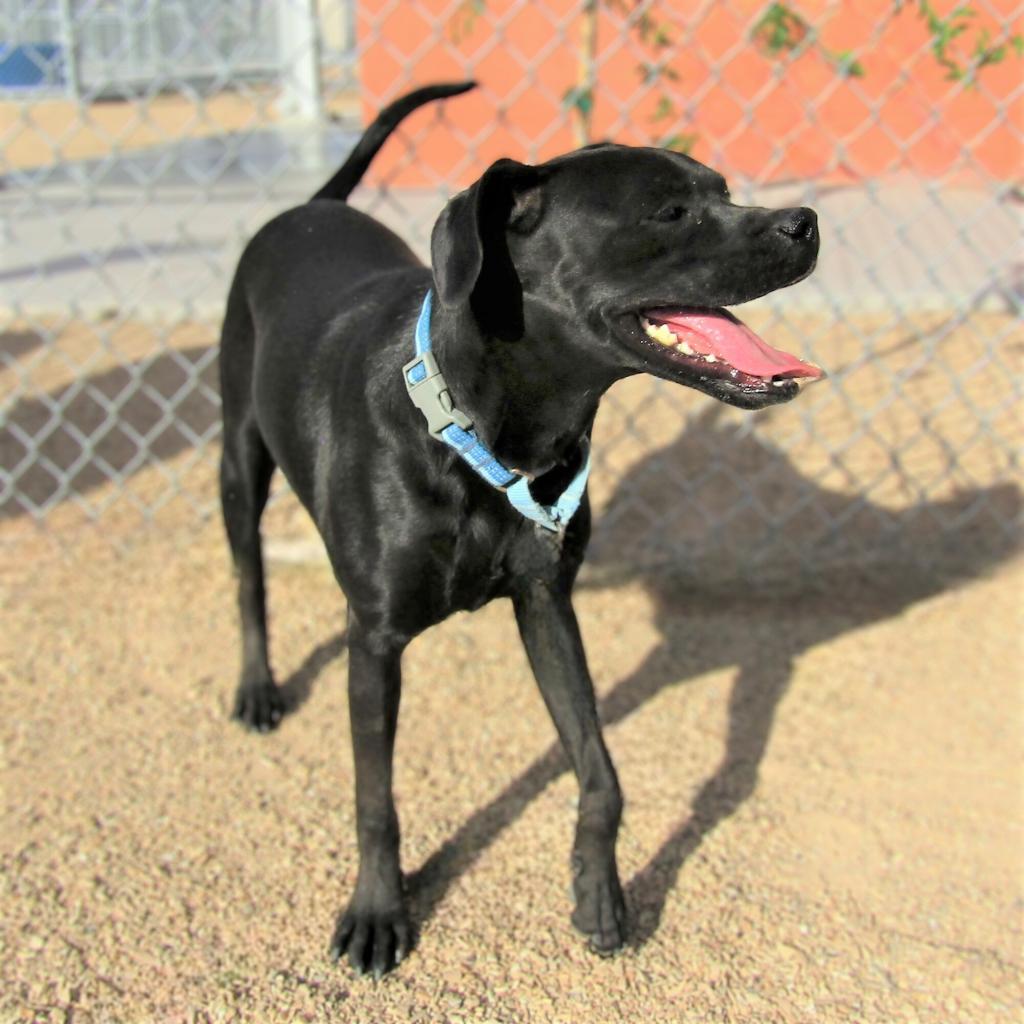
x,y
823,820
823,768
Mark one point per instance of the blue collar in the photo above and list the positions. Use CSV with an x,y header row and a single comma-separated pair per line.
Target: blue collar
x,y
429,392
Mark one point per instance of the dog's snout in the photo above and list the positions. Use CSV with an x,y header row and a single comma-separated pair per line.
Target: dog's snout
x,y
800,224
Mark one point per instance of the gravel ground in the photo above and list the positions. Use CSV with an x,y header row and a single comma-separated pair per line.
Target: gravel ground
x,y
823,803
823,776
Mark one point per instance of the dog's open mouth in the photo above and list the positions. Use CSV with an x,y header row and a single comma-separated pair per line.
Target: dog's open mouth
x,y
719,346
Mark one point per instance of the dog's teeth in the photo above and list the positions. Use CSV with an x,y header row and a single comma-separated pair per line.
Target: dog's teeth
x,y
661,333
778,383
709,358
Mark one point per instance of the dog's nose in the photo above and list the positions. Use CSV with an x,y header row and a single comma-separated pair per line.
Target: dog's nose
x,y
800,224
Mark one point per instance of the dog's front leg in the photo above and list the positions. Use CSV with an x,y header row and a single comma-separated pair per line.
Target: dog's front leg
x,y
547,624
374,929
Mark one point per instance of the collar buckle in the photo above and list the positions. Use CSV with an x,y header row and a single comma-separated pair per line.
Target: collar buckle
x,y
429,393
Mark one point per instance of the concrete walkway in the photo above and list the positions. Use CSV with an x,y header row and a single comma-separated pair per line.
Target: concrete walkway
x,y
157,232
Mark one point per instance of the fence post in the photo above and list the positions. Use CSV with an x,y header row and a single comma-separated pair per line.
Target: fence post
x,y
70,39
299,101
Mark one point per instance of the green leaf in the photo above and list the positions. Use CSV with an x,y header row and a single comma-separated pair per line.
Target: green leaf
x,y
579,97
846,63
648,73
665,108
464,20
780,29
680,143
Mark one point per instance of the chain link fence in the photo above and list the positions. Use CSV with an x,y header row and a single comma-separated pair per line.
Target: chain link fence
x,y
144,142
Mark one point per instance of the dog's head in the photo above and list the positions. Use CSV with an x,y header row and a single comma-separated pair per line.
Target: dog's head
x,y
628,256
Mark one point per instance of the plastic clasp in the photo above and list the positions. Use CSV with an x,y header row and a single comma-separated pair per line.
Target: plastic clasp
x,y
429,393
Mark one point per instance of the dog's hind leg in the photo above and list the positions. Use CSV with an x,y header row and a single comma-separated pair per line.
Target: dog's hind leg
x,y
245,471
550,633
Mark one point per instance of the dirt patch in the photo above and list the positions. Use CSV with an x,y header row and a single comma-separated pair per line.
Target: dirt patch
x,y
823,804
823,777
823,768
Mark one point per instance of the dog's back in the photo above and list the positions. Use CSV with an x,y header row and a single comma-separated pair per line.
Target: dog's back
x,y
298,266
322,263
303,281
324,248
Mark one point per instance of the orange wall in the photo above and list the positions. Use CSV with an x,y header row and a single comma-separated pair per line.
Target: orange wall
x,y
764,118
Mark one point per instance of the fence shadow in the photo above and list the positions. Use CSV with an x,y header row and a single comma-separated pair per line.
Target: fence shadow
x,y
976,537
107,426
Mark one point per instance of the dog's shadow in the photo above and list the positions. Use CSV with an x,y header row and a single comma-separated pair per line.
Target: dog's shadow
x,y
975,531
862,563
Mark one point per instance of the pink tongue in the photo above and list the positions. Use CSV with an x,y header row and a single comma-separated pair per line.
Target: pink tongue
x,y
719,334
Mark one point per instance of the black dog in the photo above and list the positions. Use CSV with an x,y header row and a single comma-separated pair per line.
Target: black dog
x,y
549,284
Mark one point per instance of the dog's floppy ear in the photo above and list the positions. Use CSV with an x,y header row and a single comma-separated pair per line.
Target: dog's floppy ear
x,y
468,245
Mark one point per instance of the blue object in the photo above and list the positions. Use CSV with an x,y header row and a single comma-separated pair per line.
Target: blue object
x,y
31,65
429,392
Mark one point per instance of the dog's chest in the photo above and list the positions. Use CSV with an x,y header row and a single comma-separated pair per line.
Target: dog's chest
x,y
485,561
499,564
476,566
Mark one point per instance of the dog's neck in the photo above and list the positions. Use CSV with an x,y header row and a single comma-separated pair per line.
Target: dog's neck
x,y
530,401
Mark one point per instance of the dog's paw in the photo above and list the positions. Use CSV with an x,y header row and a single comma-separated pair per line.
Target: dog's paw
x,y
374,942
259,706
600,912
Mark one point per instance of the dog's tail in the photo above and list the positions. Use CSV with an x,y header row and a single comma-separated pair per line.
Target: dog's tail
x,y
348,175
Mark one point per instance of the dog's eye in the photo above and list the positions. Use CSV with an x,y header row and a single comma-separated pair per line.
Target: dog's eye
x,y
671,212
